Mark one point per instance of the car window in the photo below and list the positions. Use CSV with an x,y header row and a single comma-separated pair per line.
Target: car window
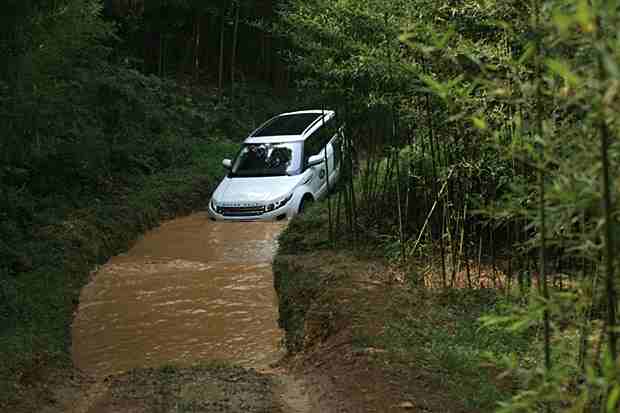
x,y
312,145
268,159
319,139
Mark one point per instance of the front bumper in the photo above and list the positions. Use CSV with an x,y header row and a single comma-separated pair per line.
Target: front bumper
x,y
275,215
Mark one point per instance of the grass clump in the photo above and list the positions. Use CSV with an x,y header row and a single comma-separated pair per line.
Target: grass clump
x,y
441,333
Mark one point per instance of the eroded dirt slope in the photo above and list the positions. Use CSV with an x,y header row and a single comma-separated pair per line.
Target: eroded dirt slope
x,y
347,302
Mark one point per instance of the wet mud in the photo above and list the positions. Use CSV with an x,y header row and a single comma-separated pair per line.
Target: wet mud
x,y
190,291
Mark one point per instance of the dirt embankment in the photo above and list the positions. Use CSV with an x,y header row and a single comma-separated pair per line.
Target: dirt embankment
x,y
366,340
332,303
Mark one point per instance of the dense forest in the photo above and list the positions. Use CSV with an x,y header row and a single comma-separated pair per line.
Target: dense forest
x,y
488,152
485,136
106,128
94,92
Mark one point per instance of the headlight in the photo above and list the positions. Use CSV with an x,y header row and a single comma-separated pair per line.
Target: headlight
x,y
283,201
278,204
213,205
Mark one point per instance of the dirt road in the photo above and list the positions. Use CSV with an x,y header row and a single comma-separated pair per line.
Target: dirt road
x,y
186,321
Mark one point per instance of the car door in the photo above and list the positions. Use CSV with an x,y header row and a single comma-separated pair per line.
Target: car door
x,y
334,156
330,141
316,144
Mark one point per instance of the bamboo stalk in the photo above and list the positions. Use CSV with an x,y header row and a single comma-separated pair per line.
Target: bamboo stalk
x,y
608,240
329,204
233,52
401,233
220,78
428,217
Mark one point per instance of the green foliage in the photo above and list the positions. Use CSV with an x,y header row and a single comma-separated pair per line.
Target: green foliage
x,y
451,341
543,109
499,137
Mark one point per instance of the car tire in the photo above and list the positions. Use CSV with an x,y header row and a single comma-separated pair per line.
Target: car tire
x,y
304,204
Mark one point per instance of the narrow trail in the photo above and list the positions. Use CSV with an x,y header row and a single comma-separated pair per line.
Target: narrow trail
x,y
190,292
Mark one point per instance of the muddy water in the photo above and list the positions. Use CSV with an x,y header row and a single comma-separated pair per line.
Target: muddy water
x,y
190,291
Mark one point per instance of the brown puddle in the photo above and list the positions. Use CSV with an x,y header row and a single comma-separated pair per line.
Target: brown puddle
x,y
189,291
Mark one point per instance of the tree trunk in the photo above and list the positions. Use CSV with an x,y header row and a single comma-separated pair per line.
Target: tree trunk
x,y
196,47
220,79
233,53
160,68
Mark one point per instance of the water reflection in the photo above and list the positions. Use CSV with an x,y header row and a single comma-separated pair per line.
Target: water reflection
x,y
191,290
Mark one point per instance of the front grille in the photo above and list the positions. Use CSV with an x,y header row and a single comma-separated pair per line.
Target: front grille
x,y
241,211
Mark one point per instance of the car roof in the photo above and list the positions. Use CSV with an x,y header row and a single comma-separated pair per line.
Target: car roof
x,y
290,126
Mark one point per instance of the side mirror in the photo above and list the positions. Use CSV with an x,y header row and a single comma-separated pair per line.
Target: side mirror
x,y
227,163
315,160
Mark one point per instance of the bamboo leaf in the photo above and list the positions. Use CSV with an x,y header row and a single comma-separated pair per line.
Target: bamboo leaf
x,y
563,22
612,399
585,17
479,123
530,50
438,88
563,70
611,65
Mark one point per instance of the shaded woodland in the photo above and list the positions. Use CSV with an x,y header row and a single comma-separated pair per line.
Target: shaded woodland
x,y
486,137
217,43
107,125
93,92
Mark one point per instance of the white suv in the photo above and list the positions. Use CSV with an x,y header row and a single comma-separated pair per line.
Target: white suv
x,y
286,163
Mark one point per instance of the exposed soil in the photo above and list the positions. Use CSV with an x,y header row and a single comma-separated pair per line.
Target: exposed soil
x,y
341,372
209,388
226,389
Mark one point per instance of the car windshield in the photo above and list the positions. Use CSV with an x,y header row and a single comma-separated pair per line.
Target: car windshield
x,y
268,159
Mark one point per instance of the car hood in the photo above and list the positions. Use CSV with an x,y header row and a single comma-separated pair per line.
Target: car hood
x,y
254,190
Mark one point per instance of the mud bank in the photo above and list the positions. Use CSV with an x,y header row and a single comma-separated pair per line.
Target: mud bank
x,y
366,340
